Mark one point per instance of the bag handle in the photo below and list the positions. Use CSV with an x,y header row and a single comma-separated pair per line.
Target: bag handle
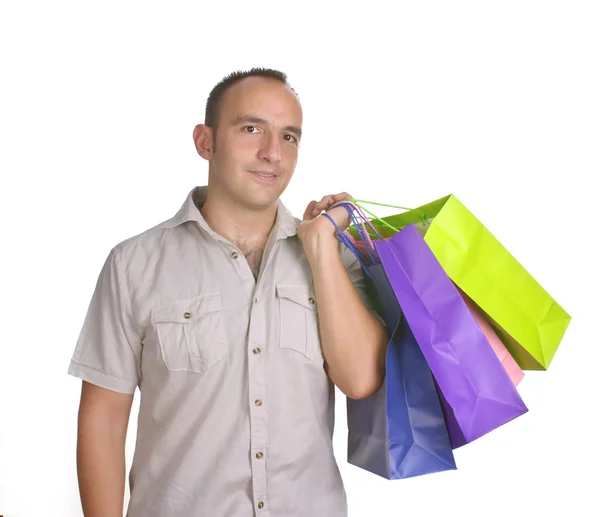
x,y
375,218
359,224
347,239
349,244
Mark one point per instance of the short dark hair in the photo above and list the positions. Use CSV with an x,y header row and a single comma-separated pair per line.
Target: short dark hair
x,y
213,104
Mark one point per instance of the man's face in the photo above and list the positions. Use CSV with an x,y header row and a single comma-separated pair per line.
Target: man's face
x,y
257,141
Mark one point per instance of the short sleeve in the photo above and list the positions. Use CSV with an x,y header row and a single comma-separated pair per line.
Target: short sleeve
x,y
108,350
357,277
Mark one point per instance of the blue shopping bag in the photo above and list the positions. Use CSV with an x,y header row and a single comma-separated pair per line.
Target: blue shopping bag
x,y
400,431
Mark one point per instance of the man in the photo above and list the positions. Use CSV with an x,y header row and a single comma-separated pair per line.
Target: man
x,y
234,319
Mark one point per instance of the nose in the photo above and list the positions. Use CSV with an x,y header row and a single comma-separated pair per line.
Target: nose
x,y
270,150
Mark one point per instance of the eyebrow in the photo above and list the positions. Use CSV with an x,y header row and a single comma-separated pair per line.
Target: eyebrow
x,y
257,120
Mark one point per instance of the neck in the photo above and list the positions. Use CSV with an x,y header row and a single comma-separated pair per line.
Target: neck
x,y
240,225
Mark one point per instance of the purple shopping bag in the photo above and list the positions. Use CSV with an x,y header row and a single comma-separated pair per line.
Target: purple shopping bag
x,y
476,392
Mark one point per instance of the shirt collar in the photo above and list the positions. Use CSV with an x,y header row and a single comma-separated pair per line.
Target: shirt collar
x,y
285,223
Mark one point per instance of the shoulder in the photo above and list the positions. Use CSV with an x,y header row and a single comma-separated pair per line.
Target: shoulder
x,y
151,242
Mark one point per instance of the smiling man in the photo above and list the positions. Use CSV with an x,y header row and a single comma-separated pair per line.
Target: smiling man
x,y
235,320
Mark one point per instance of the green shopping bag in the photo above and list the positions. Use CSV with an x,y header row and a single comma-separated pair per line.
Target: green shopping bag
x,y
530,323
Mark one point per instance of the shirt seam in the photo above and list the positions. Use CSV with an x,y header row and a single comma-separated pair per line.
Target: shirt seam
x,y
104,373
122,284
124,292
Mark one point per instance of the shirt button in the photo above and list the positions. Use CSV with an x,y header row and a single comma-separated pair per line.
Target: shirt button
x,y
258,402
187,315
256,351
259,455
234,254
311,301
261,505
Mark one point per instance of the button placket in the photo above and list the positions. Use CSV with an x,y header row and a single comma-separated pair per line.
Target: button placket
x,y
258,402
239,263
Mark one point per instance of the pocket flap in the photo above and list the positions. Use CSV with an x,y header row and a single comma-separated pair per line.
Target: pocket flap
x,y
300,294
187,311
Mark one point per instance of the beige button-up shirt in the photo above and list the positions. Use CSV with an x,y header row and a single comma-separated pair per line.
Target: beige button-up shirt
x,y
236,410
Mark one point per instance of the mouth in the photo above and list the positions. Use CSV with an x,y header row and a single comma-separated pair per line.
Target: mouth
x,y
265,176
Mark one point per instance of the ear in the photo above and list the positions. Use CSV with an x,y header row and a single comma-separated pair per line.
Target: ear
x,y
204,141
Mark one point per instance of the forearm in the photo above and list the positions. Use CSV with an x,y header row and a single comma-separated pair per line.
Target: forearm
x,y
100,469
353,339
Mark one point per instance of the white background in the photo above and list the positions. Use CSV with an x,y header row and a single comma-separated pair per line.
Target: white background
x,y
496,102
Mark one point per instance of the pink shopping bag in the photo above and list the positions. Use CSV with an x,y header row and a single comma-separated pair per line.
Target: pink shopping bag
x,y
510,365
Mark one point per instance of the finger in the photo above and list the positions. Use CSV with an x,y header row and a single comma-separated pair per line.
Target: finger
x,y
321,202
339,197
325,202
310,209
317,208
342,195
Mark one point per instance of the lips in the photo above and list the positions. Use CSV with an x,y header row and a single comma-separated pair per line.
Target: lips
x,y
265,177
266,174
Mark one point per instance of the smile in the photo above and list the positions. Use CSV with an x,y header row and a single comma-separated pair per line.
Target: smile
x,y
265,176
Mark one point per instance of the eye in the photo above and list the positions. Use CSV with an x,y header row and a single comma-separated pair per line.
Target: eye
x,y
292,138
250,129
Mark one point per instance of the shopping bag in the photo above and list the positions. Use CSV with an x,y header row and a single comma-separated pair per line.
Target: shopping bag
x,y
530,323
399,432
477,394
508,362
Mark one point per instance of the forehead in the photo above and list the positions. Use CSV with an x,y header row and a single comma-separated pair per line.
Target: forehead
x,y
262,97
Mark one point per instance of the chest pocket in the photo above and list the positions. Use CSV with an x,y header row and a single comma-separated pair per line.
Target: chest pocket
x,y
298,321
191,333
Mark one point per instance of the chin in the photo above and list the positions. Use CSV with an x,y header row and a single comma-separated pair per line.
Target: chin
x,y
261,194
260,200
